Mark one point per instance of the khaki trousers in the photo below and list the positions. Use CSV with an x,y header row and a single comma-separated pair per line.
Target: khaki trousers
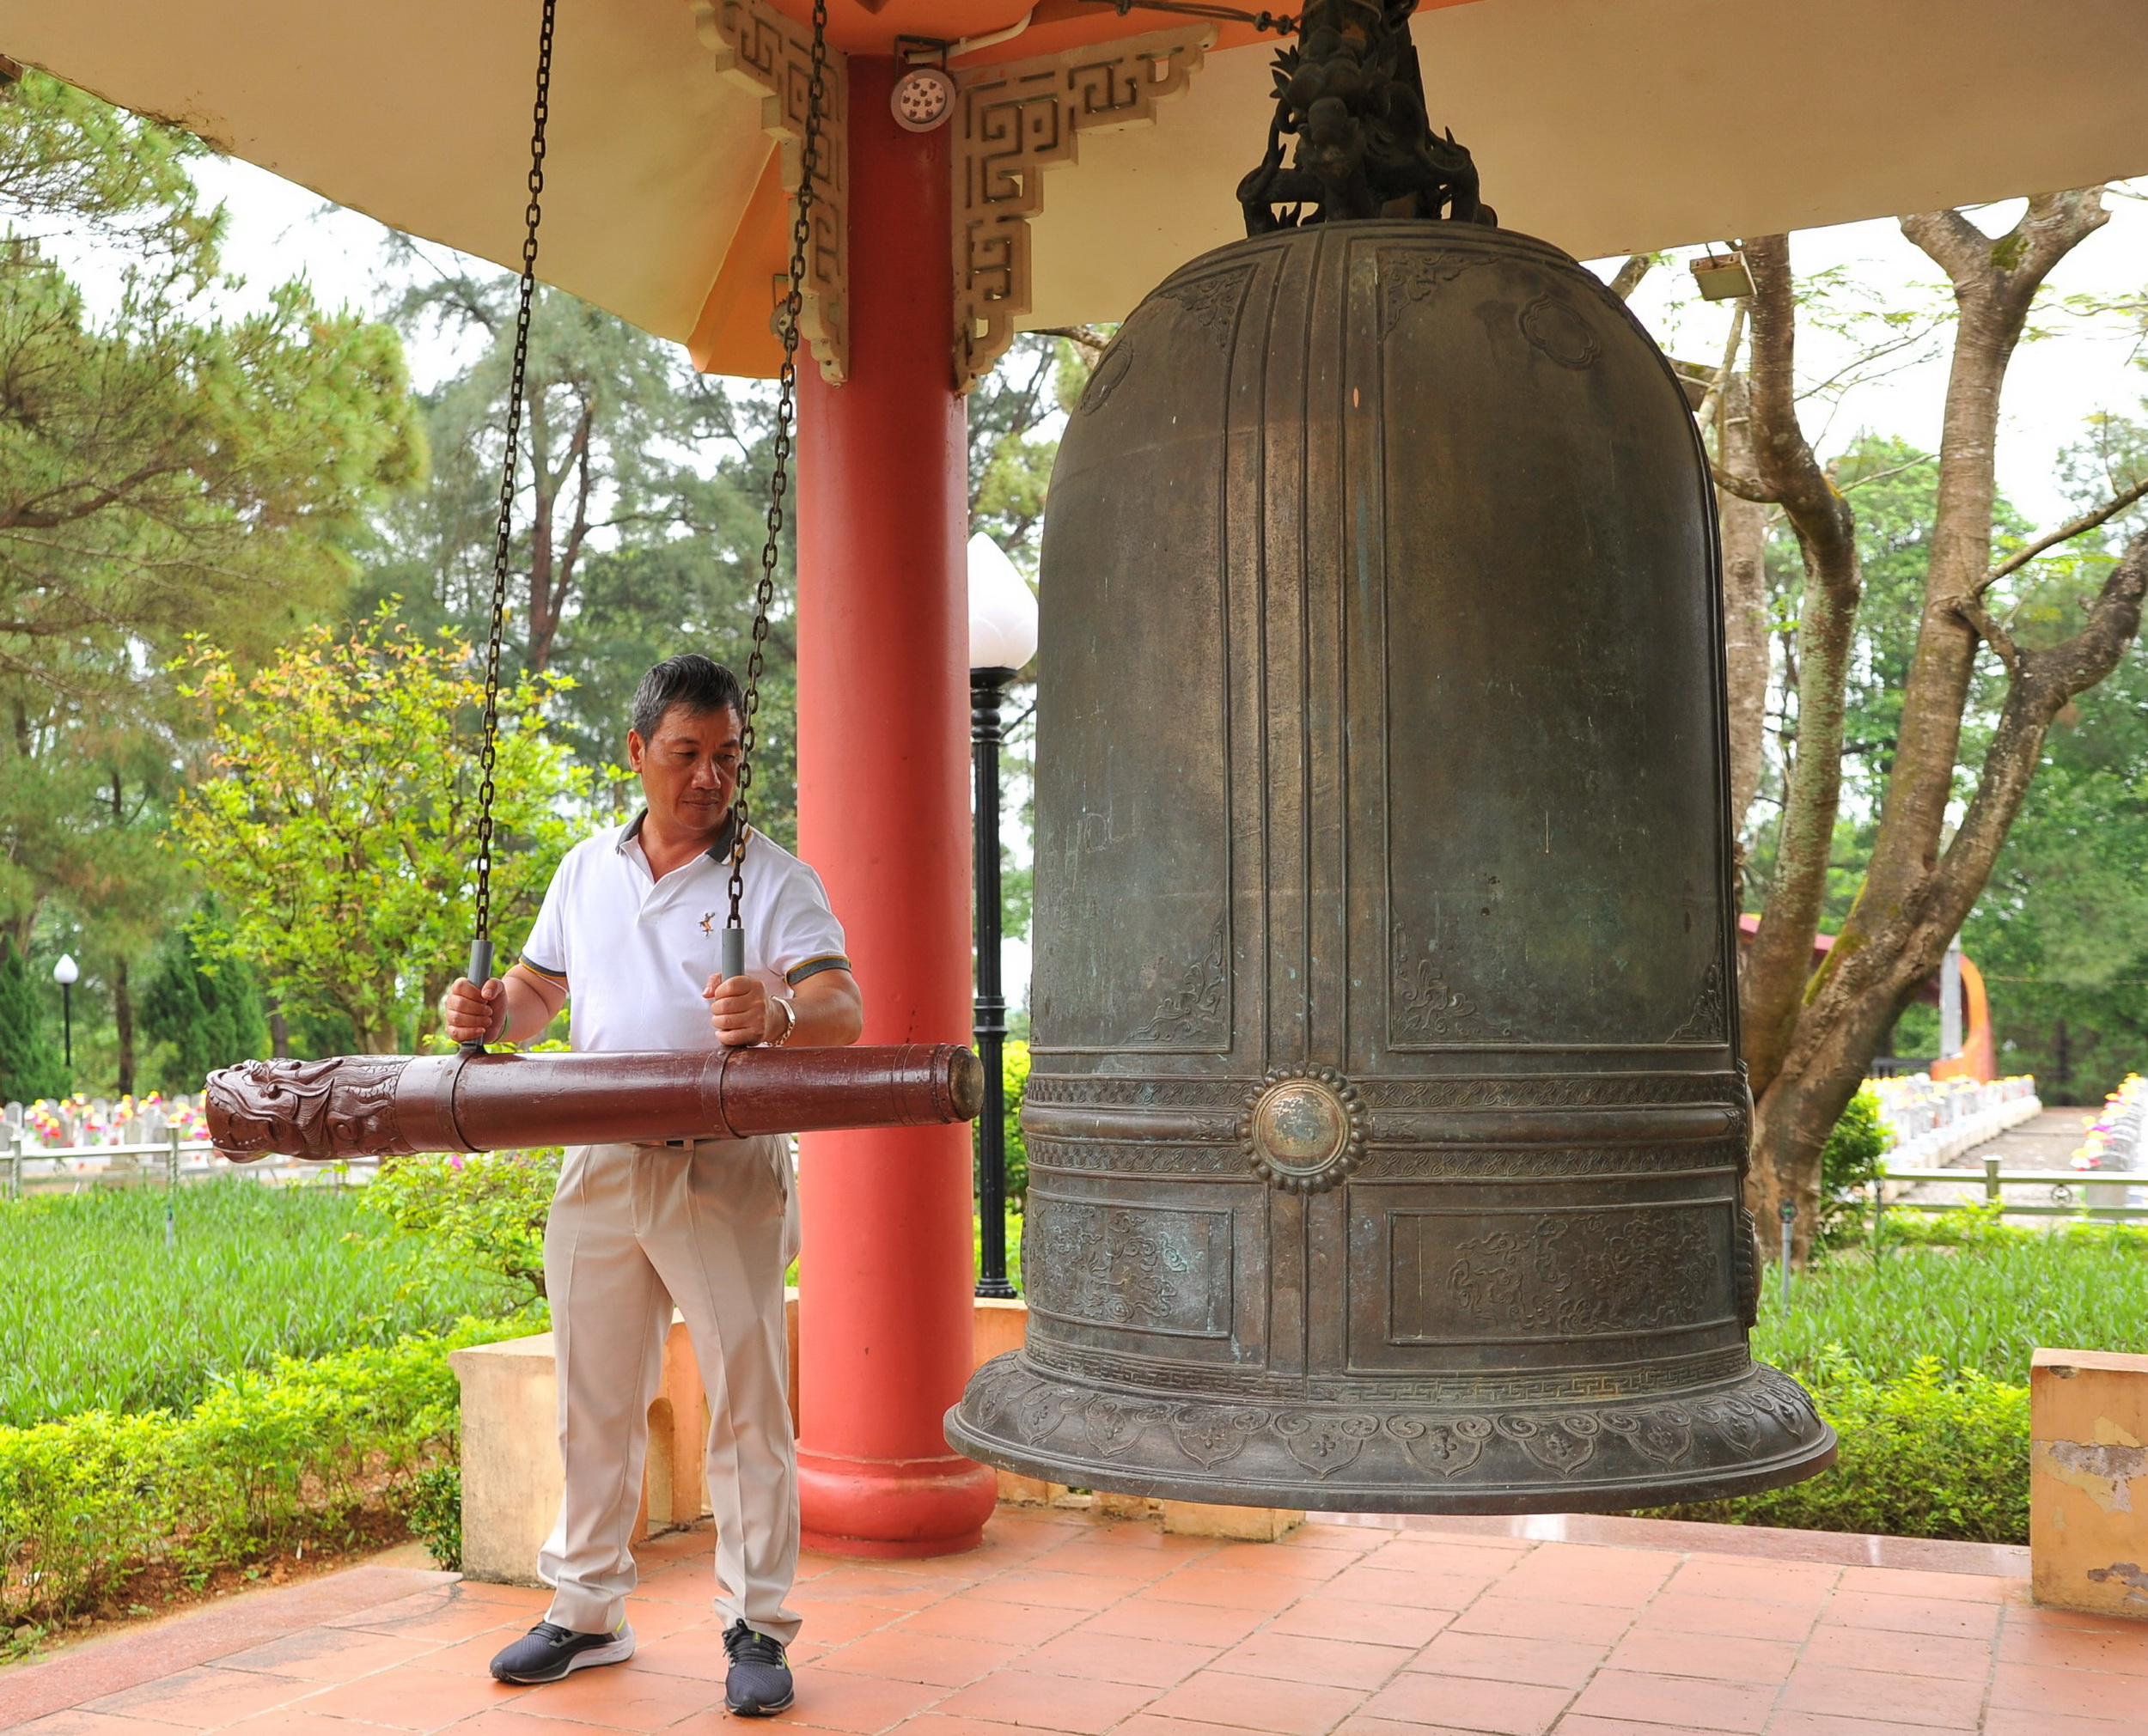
x,y
635,1230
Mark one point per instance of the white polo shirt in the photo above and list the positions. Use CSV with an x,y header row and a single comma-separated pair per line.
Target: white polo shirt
x,y
635,951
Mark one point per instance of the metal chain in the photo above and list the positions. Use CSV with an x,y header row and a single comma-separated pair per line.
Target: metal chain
x,y
502,530
786,421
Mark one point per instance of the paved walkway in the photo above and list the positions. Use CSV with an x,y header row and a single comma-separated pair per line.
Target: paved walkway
x,y
2045,1141
1063,1623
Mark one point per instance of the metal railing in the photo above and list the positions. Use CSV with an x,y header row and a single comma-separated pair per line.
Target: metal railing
x,y
28,1168
2100,1193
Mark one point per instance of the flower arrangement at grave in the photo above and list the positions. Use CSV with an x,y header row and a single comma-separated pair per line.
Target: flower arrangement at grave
x,y
2114,1133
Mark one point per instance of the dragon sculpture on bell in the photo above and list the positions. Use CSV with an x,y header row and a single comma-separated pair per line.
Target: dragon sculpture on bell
x,y
1351,96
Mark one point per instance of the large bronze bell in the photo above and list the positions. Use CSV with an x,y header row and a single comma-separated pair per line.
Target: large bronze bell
x,y
1386,1127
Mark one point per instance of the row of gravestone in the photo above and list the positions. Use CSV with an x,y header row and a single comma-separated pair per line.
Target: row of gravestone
x,y
50,1126
2113,1136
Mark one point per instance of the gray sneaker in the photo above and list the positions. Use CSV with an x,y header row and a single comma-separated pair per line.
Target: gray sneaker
x,y
760,1679
548,1652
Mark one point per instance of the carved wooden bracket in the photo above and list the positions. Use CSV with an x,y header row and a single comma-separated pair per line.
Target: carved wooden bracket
x,y
1010,121
768,53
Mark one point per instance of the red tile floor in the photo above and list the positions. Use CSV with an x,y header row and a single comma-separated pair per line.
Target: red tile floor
x,y
1063,1621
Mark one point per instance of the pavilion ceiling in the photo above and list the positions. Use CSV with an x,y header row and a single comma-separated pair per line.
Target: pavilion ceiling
x,y
1604,125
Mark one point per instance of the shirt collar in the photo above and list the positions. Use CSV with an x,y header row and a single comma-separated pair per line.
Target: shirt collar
x,y
720,851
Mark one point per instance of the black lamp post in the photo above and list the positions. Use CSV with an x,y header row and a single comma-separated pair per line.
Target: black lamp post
x,y
986,687
64,973
1003,637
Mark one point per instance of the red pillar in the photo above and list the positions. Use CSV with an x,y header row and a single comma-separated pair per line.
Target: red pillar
x,y
883,813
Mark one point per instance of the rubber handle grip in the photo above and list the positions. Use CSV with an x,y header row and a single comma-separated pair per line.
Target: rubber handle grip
x,y
733,953
480,972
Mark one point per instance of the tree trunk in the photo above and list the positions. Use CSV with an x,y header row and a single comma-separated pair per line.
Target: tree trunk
x,y
1745,635
123,1018
543,495
1876,968
1920,886
1995,282
1785,469
279,1032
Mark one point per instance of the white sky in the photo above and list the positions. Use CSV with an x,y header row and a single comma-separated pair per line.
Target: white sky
x,y
279,230
2057,381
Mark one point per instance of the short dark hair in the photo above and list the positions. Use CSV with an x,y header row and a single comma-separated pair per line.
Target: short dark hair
x,y
700,684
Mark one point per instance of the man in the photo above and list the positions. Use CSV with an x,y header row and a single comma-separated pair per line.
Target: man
x,y
630,933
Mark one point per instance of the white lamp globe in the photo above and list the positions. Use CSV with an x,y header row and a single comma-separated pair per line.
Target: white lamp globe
x,y
65,972
1003,609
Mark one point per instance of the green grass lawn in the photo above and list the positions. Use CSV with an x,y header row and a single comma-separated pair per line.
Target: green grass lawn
x,y
96,1312
1980,1307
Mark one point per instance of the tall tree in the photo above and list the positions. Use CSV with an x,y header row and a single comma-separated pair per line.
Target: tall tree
x,y
1811,1034
613,425
1015,415
199,1014
338,828
639,519
2061,932
31,1065
162,471
75,166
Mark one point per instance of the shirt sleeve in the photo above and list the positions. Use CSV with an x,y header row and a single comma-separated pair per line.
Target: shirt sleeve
x,y
545,950
804,937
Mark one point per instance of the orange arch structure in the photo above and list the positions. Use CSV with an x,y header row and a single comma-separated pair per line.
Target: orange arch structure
x,y
1978,1060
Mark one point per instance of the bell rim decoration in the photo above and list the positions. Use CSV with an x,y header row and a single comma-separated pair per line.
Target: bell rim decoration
x,y
1559,1442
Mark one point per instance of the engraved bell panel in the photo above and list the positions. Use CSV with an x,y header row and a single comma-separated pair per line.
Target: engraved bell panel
x,y
1385,1128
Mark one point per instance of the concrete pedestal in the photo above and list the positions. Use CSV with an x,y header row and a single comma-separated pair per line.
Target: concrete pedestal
x,y
2087,1485
511,1451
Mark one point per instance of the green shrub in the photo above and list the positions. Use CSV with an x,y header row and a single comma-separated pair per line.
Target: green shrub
x,y
1014,1074
98,1314
1849,1162
1983,1225
266,1461
1920,1360
487,1209
436,1513
1921,1456
31,1066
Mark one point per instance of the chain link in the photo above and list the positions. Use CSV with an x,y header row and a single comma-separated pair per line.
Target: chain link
x,y
786,422
503,527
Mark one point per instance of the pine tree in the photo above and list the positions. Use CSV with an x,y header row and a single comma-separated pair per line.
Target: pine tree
x,y
30,1064
209,1015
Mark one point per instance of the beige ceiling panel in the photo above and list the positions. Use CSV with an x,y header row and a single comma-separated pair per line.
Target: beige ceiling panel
x,y
1605,125
1611,126
417,112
